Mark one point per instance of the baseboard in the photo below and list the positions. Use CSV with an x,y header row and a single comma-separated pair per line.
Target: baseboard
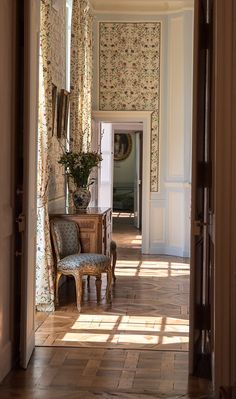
x,y
167,250
6,360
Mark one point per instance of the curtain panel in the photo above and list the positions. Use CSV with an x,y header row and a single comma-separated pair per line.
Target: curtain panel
x,y
44,258
81,76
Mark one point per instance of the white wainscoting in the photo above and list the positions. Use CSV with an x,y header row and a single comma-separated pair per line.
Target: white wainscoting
x,y
166,223
170,234
170,208
158,229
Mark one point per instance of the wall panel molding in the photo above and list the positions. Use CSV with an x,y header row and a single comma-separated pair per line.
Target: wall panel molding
x,y
176,114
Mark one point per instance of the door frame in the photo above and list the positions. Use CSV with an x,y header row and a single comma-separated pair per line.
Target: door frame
x,y
224,176
145,118
31,83
224,223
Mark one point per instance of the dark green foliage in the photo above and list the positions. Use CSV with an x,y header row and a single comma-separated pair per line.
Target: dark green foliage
x,y
78,166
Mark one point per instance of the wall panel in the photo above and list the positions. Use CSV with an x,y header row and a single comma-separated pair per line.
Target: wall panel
x,y
172,150
157,230
175,167
175,206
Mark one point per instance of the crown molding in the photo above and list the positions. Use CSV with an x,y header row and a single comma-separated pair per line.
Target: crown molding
x,y
146,7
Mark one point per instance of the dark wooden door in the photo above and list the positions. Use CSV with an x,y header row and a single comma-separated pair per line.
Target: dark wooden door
x,y
202,260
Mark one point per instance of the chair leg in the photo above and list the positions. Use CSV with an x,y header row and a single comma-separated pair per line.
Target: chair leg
x,y
98,287
114,258
109,283
113,248
58,276
78,285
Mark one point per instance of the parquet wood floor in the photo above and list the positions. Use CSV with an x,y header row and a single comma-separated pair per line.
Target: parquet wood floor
x,y
117,355
149,308
83,373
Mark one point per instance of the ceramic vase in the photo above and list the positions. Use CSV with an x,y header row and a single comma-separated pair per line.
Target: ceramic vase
x,y
81,198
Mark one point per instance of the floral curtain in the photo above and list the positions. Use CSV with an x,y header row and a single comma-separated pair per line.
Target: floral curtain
x,y
81,76
44,258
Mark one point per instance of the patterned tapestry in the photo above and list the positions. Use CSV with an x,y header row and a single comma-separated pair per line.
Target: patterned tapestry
x,y
129,75
81,76
56,185
44,258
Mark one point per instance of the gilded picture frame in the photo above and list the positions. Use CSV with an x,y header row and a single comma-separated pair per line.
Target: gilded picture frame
x,y
54,108
122,146
63,113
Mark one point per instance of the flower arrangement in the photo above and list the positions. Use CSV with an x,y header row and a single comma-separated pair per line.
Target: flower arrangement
x,y
78,166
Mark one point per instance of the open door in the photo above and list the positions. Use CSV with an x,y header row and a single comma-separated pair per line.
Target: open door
x,y
27,217
202,260
105,180
138,181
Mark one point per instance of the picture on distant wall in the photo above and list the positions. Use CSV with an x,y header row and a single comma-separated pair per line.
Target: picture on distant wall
x,y
63,114
54,107
122,146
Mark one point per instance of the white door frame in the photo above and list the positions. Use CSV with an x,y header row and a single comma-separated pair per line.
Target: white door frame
x,y
145,118
32,28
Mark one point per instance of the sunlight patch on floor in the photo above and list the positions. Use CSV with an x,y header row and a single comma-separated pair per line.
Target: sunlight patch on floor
x,y
85,337
145,330
131,323
152,269
123,214
136,241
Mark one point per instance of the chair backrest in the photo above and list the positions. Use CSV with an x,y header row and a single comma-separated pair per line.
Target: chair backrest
x,y
65,236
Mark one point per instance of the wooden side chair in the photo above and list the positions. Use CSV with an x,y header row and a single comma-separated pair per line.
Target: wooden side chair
x,y
70,260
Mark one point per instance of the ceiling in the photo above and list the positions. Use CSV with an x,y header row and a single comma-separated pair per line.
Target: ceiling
x,y
139,6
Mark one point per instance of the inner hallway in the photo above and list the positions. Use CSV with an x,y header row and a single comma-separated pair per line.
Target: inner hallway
x,y
150,302
135,348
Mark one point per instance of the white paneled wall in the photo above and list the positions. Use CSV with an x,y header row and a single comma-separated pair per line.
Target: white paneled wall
x,y
170,208
175,101
167,223
158,229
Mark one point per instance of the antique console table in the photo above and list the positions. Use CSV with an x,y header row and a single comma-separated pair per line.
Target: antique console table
x,y
95,227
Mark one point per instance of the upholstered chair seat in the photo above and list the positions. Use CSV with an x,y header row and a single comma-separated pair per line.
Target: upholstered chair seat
x,y
96,262
70,260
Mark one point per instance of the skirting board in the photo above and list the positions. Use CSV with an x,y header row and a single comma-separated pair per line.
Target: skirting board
x,y
172,251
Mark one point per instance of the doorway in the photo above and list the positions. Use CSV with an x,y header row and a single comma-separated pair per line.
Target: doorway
x,y
145,119
120,177
222,231
107,124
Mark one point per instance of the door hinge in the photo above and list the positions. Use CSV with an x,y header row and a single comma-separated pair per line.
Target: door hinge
x,y
21,223
205,174
197,227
